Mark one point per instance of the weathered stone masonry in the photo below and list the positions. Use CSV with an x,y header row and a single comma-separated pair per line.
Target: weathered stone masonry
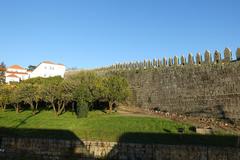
x,y
202,88
50,149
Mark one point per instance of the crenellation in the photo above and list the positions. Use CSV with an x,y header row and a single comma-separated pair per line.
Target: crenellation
x,y
120,66
207,57
159,62
198,58
227,55
170,61
183,60
238,54
127,65
217,57
156,63
149,64
141,65
124,65
144,64
176,60
164,61
190,59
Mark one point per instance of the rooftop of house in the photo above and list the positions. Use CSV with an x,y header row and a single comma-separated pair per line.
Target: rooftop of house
x,y
50,62
16,67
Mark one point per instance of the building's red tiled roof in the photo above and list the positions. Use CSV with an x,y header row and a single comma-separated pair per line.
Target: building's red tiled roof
x,y
12,75
2,69
16,67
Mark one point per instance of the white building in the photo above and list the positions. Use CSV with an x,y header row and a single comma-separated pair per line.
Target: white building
x,y
48,69
45,69
16,73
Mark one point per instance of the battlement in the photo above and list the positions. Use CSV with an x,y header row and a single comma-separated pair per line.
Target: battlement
x,y
216,58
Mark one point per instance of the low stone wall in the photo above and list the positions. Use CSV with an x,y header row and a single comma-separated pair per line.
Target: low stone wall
x,y
50,149
35,148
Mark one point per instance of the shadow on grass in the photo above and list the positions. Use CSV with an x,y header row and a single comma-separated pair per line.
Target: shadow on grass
x,y
16,143
24,121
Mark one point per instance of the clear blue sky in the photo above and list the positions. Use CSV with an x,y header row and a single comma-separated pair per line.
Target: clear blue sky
x,y
91,33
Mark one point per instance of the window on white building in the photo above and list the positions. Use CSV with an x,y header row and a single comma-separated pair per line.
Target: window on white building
x,y
51,67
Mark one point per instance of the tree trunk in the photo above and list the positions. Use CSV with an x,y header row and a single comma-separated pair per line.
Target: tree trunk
x,y
17,108
4,107
110,106
32,108
54,108
1,105
61,108
58,106
36,106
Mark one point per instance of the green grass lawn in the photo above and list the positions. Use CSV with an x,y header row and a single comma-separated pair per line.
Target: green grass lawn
x,y
99,126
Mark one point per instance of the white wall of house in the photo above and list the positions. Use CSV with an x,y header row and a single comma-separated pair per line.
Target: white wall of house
x,y
45,69
17,70
20,73
22,76
12,79
48,70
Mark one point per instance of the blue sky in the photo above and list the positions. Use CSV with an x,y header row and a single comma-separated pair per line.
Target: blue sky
x,y
94,33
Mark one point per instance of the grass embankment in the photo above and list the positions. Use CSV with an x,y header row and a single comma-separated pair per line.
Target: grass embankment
x,y
106,127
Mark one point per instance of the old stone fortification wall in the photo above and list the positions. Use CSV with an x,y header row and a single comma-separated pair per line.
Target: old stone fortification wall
x,y
197,87
49,149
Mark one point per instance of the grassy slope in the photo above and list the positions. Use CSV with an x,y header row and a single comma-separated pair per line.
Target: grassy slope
x,y
97,125
101,126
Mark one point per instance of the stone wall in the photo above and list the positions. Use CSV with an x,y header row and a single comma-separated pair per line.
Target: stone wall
x,y
50,149
197,87
203,90
40,149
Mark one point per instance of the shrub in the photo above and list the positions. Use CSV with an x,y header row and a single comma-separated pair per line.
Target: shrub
x,y
82,110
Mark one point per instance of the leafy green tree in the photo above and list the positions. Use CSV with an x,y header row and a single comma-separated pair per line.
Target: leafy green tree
x,y
31,67
64,96
83,97
2,72
87,88
115,90
16,97
5,92
51,90
33,92
29,92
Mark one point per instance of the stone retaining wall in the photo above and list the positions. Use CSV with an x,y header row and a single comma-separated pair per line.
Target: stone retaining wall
x,y
50,149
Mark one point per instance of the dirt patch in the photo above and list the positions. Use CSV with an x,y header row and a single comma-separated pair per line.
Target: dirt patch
x,y
202,122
